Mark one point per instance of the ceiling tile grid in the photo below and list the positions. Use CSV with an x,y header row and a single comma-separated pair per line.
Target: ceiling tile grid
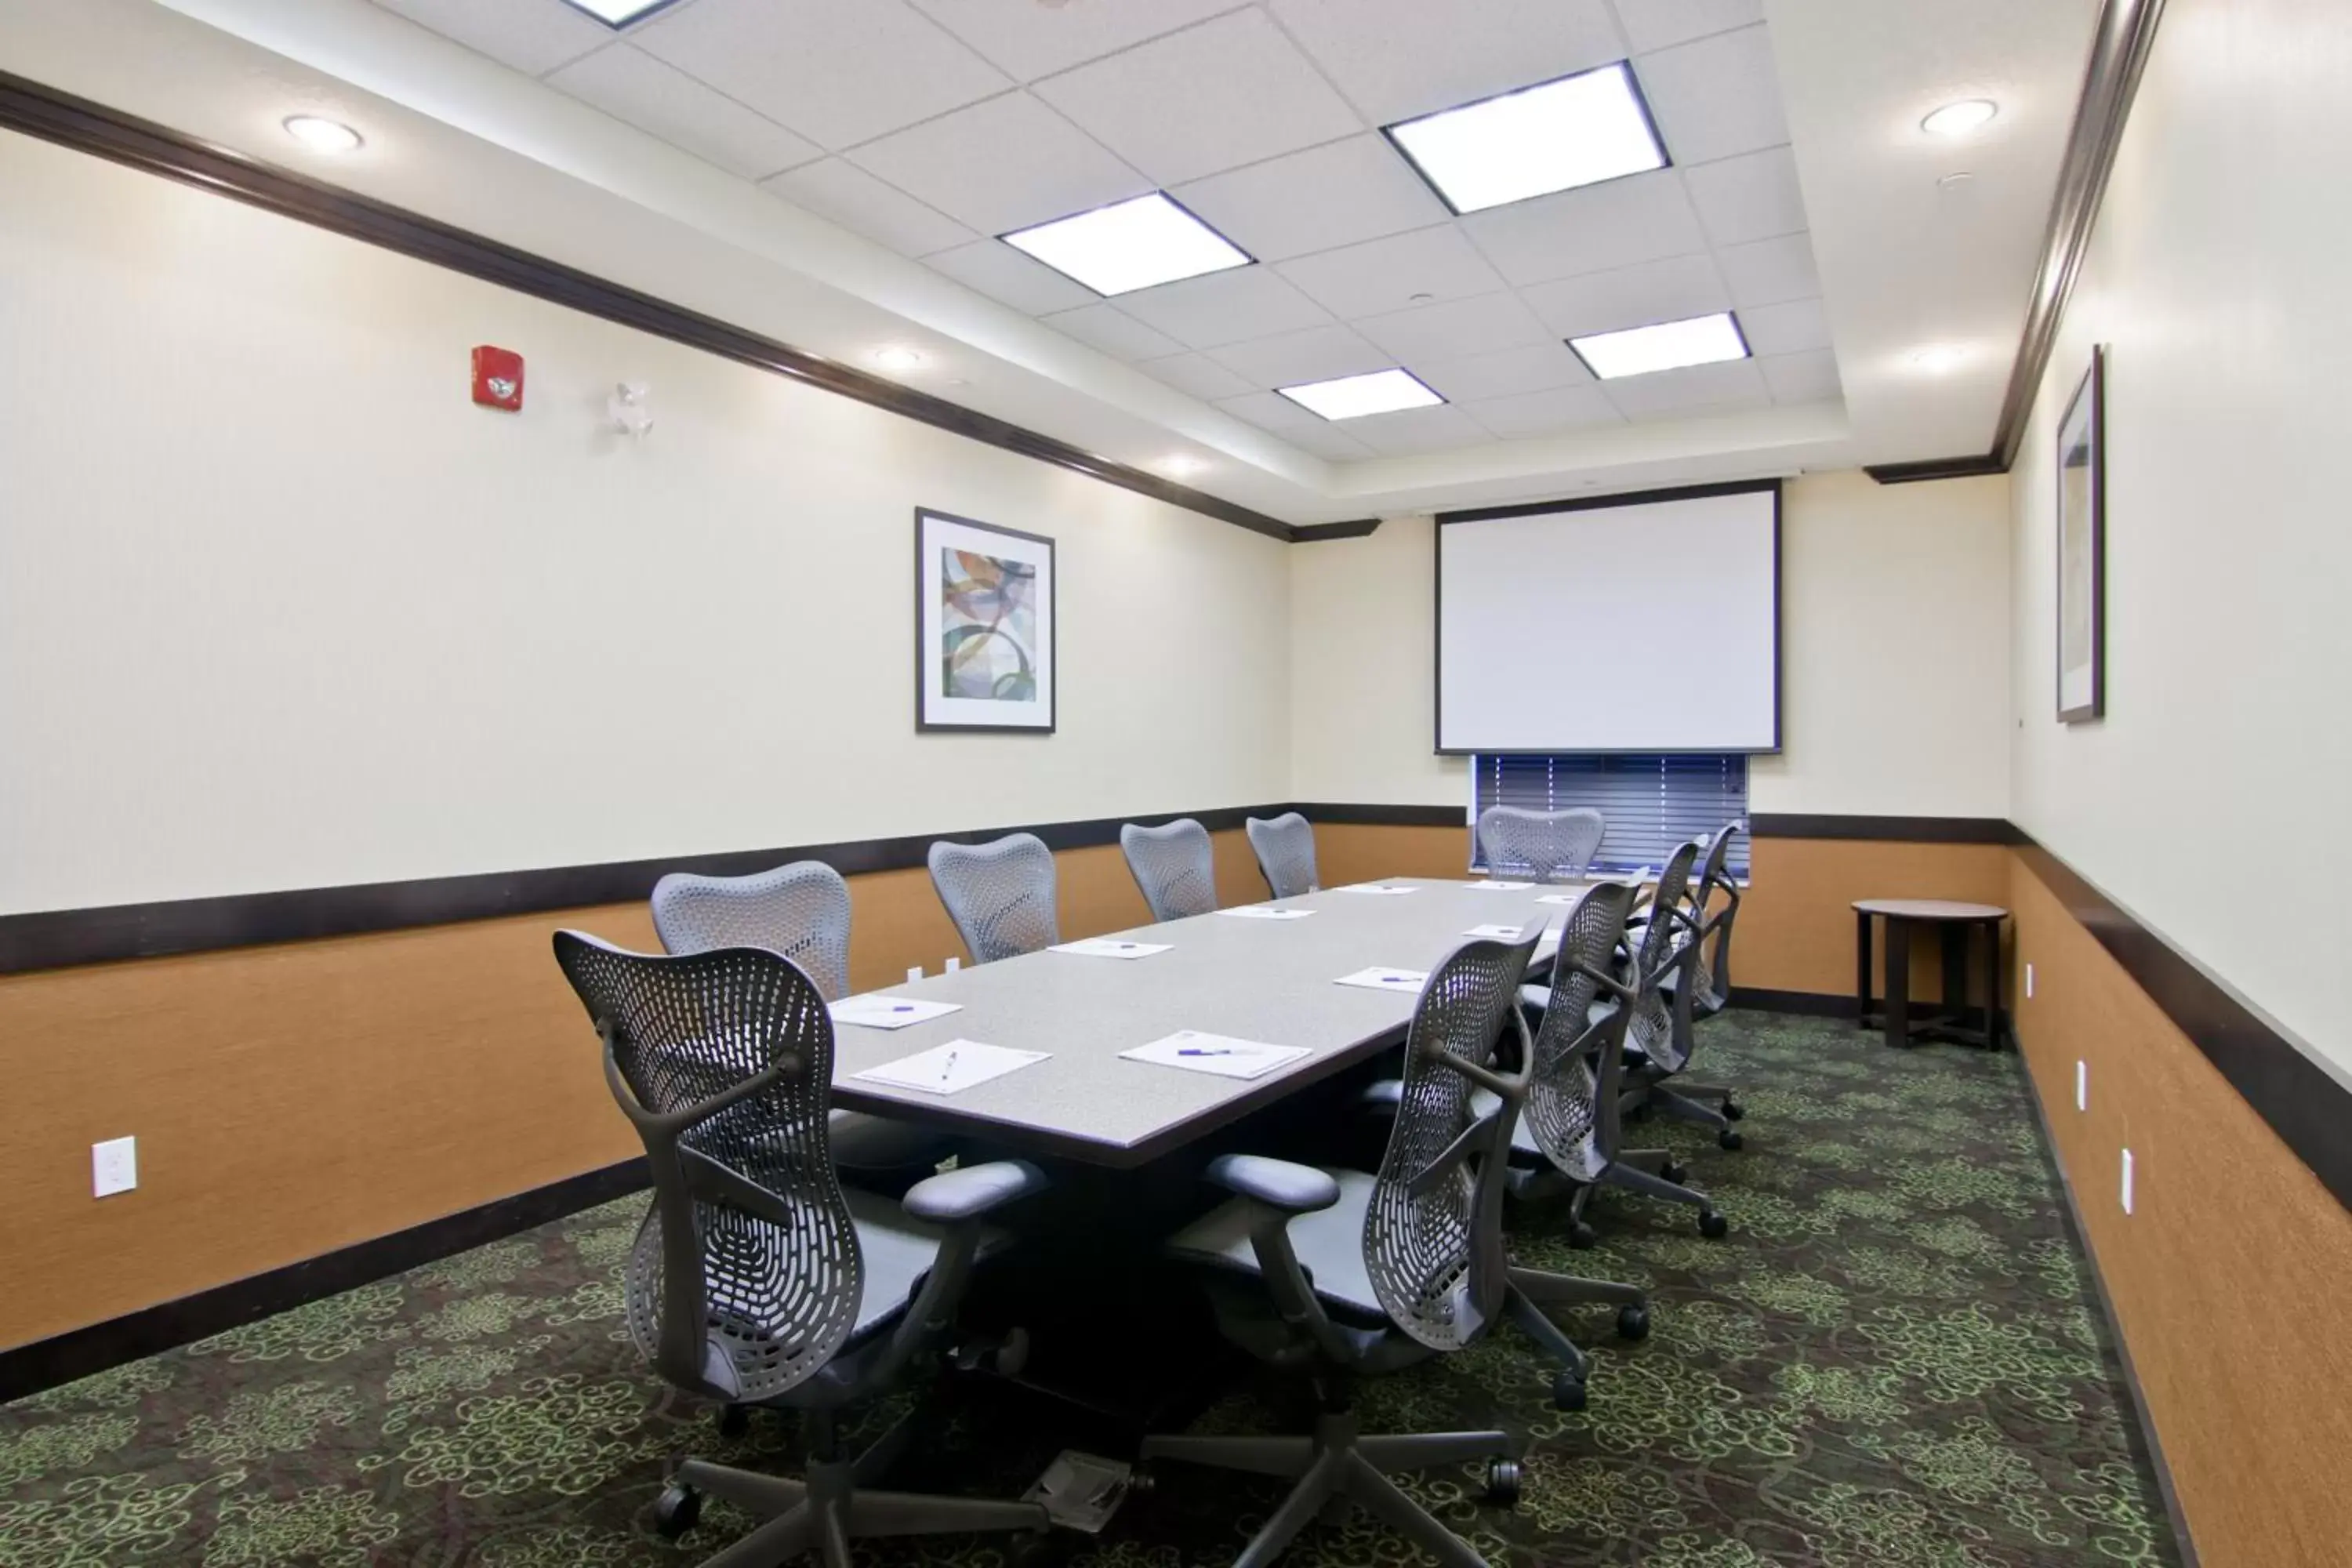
x,y
936,126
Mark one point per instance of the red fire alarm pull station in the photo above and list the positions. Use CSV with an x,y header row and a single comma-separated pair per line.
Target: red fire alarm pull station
x,y
498,378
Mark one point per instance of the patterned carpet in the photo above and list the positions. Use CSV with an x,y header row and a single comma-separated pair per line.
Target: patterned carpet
x,y
1890,1363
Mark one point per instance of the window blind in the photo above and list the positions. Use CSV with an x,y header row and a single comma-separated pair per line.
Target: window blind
x,y
1651,803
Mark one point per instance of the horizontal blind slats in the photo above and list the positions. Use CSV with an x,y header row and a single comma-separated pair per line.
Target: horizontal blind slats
x,y
1651,803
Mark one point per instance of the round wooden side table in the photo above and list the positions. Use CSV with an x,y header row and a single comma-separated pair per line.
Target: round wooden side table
x,y
1954,924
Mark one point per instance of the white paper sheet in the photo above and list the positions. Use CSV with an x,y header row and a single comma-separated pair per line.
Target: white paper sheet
x,y
876,1012
1570,899
1220,1054
1406,981
1500,933
1500,887
1376,890
950,1068
1265,912
1106,947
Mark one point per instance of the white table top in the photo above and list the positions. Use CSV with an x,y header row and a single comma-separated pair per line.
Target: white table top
x,y
1930,909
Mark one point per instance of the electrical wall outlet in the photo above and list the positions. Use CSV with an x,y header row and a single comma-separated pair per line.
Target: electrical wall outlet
x,y
2082,1085
914,973
2029,983
2127,1182
113,1166
954,965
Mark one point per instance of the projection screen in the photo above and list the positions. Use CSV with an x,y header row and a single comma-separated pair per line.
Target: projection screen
x,y
1648,625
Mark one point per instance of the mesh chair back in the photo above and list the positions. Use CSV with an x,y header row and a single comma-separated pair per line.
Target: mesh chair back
x,y
1659,1027
999,894
1433,1232
1174,866
747,1275
1573,1084
1547,844
1284,846
1711,981
801,910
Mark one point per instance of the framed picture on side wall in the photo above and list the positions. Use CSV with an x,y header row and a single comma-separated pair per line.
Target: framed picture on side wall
x,y
984,626
2082,549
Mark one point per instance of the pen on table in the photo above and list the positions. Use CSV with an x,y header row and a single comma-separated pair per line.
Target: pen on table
x,y
1207,1051
903,1007
947,1069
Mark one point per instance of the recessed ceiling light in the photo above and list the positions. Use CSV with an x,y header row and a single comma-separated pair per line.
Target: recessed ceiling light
x,y
1670,345
1129,244
1938,358
1179,465
1556,136
1353,396
618,13
1959,118
896,356
327,136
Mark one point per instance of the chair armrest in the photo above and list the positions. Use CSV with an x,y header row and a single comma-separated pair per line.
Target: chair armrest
x,y
973,1190
1277,1184
1383,1098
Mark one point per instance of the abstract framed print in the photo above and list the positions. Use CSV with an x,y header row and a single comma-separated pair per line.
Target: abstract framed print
x,y
984,626
2082,549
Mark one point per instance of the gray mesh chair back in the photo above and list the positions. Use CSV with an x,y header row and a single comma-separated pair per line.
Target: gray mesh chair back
x,y
801,910
1715,904
1174,866
1284,846
1434,1229
747,1274
1662,960
999,894
1547,844
1572,1083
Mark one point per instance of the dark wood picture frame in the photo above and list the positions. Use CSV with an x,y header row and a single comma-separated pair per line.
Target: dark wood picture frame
x,y
1046,655
2083,430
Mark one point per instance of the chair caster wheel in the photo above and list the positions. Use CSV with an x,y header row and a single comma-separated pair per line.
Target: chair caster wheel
x,y
1733,1111
1633,1323
675,1511
1582,1235
1713,1226
1674,1171
1033,1549
1568,1391
1503,1482
1728,1139
734,1420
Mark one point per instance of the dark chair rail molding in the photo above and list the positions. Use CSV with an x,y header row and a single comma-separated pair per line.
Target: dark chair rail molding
x,y
89,127
1885,829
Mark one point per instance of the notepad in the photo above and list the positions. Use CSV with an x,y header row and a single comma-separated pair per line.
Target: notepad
x,y
1220,1054
1500,887
1570,900
950,1068
1405,980
1500,933
1106,947
1376,890
875,1011
1265,912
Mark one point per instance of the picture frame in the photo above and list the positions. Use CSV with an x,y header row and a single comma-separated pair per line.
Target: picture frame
x,y
985,626
2082,533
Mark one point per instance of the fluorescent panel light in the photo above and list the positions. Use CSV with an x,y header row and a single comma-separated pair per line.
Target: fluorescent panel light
x,y
1353,396
618,13
1670,345
1574,131
1132,245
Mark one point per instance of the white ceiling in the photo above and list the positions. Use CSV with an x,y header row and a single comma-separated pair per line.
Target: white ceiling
x,y
926,127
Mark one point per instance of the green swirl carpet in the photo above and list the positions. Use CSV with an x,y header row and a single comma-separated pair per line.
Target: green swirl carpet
x,y
1890,1363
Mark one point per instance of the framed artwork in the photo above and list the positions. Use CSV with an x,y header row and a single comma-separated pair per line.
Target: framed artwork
x,y
2082,549
984,626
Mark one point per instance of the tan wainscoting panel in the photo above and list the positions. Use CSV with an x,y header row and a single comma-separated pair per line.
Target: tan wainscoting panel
x,y
1796,929
2233,1278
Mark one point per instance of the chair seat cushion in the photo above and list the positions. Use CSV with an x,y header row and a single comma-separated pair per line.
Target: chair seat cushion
x,y
864,1142
1329,1243
899,1250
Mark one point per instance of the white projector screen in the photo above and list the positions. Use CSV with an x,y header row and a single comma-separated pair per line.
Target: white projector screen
x,y
1646,625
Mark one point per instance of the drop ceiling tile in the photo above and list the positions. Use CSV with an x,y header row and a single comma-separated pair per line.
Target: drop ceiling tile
x,y
1732,385
1320,199
1196,374
1399,59
1544,413
837,71
1319,353
532,36
1030,41
1659,24
1310,431
1383,274
1111,329
1006,276
1754,196
855,199
1770,271
1213,97
1716,98
1414,430
1001,165
1673,289
1639,219
632,86
1330,442
1538,367
1802,377
1785,329
1456,329
1224,308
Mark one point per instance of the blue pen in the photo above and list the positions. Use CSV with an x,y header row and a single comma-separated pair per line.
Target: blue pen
x,y
1206,1051
903,1007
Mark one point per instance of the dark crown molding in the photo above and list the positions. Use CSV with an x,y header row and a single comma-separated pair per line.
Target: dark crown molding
x,y
1935,469
1316,532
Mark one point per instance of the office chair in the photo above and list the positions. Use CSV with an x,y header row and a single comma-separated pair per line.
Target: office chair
x,y
757,1277
999,894
1547,844
1710,978
1338,1275
1174,866
1665,959
1284,846
801,910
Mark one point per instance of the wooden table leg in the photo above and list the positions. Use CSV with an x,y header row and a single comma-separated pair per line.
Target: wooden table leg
x,y
1898,981
1992,985
1862,969
1953,935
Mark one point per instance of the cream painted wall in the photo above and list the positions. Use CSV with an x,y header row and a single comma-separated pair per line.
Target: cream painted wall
x,y
1894,621
2216,278
280,607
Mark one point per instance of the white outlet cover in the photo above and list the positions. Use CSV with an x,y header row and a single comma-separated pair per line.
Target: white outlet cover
x,y
2029,983
2127,1182
113,1166
2082,1086
914,972
954,965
